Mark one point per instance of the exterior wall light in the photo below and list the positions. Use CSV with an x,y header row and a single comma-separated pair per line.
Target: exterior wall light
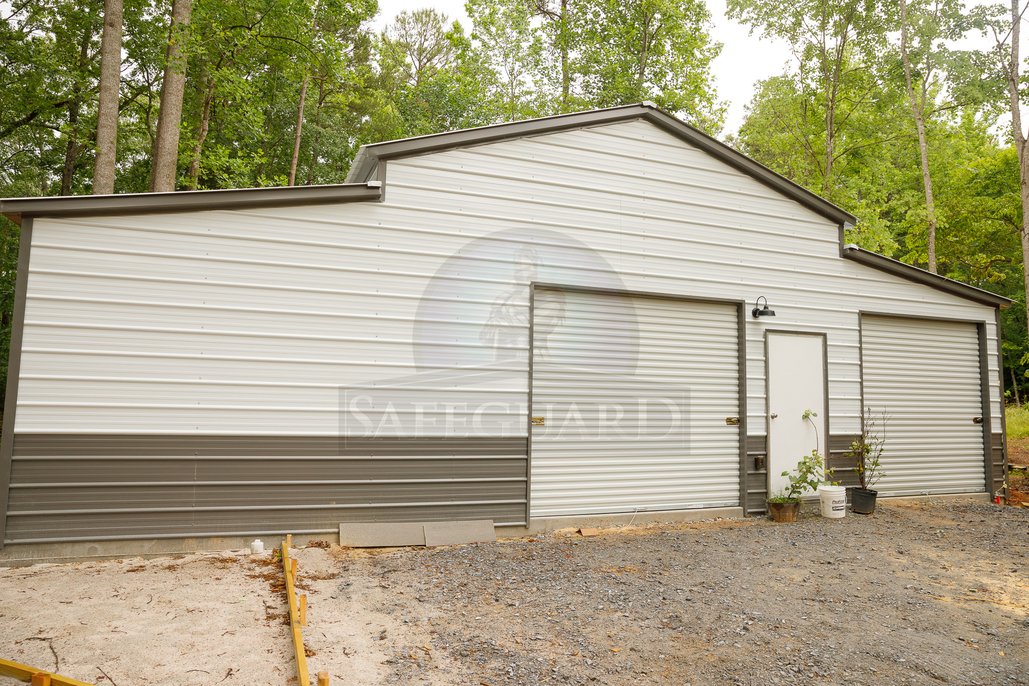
x,y
760,311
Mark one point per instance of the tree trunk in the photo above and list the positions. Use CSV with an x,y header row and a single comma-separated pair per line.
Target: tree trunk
x,y
193,172
918,111
107,111
566,79
830,148
1014,387
72,148
297,134
1013,82
169,118
316,142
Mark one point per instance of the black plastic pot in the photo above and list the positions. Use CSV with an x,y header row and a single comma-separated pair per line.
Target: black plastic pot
x,y
863,500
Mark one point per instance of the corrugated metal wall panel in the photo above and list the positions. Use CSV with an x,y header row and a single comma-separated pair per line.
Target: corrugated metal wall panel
x,y
635,392
689,250
925,376
91,486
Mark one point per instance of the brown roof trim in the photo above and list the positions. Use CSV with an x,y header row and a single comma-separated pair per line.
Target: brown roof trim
x,y
912,273
186,201
369,155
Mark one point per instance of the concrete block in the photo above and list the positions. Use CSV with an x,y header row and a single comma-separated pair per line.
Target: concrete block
x,y
381,534
453,533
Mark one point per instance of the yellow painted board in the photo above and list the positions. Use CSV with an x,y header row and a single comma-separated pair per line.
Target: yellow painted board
x,y
25,673
288,569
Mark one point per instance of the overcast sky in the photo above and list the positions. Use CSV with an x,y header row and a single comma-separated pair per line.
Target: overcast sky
x,y
744,60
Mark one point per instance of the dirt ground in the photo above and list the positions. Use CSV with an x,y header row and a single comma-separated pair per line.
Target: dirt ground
x,y
932,593
1018,479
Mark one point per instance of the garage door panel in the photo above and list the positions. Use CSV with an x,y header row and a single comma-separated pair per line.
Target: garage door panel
x,y
925,376
634,392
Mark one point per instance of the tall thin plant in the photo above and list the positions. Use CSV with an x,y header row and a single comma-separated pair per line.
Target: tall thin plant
x,y
827,472
867,449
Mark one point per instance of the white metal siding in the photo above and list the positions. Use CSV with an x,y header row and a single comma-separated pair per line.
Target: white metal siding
x,y
634,392
256,323
925,376
251,322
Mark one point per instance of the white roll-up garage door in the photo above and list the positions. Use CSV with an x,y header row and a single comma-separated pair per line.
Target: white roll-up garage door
x,y
630,397
925,376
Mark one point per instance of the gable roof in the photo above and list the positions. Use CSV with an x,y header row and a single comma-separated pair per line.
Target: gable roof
x,y
369,155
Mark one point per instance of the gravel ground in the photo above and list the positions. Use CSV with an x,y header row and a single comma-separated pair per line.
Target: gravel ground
x,y
917,594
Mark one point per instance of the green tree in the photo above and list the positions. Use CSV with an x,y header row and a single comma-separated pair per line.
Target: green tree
x,y
835,43
431,78
509,42
658,50
1003,71
923,26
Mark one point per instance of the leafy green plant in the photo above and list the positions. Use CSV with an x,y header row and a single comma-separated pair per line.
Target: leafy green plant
x,y
827,473
781,497
867,449
805,477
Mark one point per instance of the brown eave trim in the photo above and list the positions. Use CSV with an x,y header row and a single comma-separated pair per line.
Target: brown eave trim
x,y
370,155
14,371
912,273
188,201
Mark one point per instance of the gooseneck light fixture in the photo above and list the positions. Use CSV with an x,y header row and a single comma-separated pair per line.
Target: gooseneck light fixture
x,y
760,311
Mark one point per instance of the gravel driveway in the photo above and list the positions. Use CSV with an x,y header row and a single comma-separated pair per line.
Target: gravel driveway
x,y
917,594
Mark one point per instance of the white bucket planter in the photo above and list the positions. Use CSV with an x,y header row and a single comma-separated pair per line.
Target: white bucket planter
x,y
833,500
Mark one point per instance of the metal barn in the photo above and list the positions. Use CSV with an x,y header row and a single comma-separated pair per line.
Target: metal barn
x,y
554,318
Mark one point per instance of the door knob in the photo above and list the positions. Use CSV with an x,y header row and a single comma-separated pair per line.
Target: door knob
x,y
773,415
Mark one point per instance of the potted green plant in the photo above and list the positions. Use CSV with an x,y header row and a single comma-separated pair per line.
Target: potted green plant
x,y
784,506
866,451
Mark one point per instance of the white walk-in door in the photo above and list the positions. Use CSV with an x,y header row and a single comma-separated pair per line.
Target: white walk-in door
x,y
796,387
635,404
925,376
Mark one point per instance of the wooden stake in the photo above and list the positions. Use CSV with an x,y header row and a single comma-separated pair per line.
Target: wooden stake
x,y
40,679
303,610
289,569
323,679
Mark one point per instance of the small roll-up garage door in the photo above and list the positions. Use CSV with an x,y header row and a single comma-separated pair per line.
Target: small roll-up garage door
x,y
925,375
630,397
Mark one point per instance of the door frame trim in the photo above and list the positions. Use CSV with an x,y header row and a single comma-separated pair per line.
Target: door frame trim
x,y
984,378
741,355
768,396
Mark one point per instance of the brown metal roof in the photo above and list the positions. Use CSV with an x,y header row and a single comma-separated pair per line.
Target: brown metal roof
x,y
186,201
912,273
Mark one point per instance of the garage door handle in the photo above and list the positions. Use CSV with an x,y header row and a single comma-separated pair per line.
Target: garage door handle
x,y
977,420
732,421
